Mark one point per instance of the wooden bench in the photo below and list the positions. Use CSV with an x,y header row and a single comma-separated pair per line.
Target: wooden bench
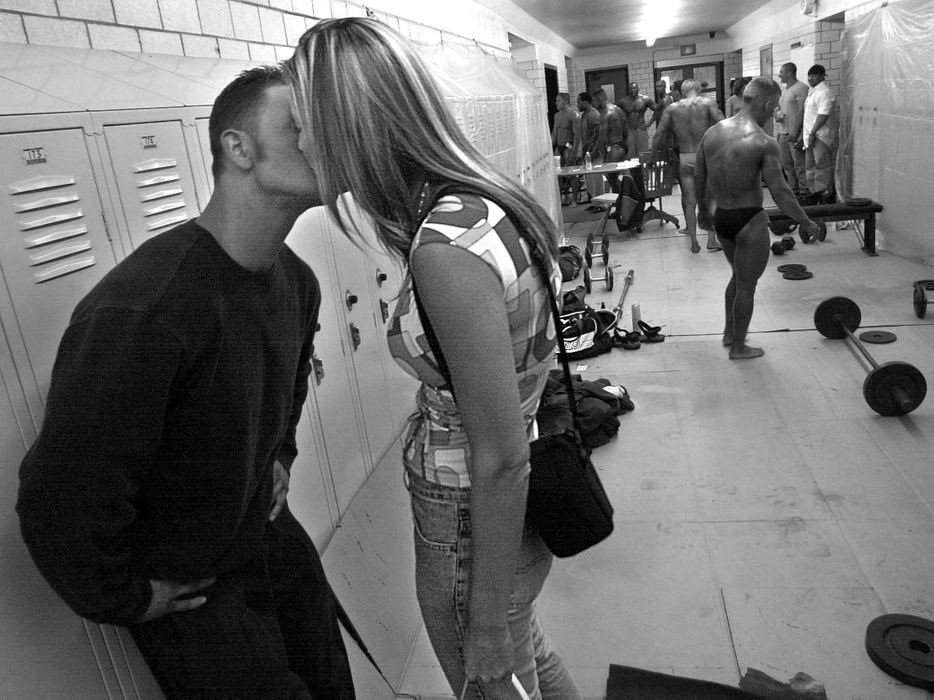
x,y
838,211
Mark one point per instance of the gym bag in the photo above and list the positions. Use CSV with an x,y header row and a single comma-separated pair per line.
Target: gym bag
x,y
587,333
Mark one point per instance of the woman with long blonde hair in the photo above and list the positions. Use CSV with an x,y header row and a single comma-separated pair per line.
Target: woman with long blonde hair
x,y
472,322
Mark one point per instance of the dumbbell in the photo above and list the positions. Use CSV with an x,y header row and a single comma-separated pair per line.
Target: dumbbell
x,y
821,233
607,279
920,297
890,389
779,247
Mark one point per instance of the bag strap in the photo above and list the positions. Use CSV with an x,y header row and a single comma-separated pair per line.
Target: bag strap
x,y
539,261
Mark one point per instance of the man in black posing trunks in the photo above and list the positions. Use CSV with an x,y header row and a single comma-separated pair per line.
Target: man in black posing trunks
x,y
733,157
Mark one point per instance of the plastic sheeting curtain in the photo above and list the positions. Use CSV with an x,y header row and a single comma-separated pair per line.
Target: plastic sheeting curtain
x,y
887,120
503,115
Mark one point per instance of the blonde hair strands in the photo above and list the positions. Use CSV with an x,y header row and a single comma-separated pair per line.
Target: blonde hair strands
x,y
377,126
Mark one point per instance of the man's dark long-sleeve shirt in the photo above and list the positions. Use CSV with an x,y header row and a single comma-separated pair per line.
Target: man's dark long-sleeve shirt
x,y
178,383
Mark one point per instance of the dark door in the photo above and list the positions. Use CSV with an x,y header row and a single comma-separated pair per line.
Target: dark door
x,y
614,82
765,69
551,92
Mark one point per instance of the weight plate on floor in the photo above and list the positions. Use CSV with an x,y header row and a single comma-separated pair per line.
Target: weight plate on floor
x,y
588,256
822,233
606,256
833,312
894,388
792,267
920,301
588,285
798,275
609,277
878,337
903,647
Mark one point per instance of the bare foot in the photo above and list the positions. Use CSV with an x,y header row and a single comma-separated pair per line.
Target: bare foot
x,y
684,231
695,247
727,339
745,352
714,246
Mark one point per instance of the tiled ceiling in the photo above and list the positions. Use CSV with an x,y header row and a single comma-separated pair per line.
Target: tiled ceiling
x,y
590,23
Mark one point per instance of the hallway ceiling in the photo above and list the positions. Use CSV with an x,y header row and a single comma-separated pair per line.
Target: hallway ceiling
x,y
590,23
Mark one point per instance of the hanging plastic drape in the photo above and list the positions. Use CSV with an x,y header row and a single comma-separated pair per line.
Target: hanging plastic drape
x,y
887,120
503,115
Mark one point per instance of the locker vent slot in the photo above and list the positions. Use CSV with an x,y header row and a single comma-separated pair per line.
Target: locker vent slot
x,y
45,202
160,194
162,208
60,252
166,221
159,198
73,265
37,184
54,232
154,164
50,220
56,235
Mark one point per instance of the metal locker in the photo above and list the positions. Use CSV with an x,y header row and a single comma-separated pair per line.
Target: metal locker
x,y
154,181
56,246
332,402
386,274
204,146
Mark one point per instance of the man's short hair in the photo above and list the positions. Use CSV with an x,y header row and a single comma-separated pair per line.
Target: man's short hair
x,y
585,97
761,88
237,105
817,69
791,66
688,85
599,93
564,96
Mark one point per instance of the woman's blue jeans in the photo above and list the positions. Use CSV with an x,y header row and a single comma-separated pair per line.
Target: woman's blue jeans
x,y
442,570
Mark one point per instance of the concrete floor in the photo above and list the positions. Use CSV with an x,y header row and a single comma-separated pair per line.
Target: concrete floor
x,y
764,513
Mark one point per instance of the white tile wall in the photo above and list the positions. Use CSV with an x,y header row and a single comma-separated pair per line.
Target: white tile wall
x,y
272,26
51,31
160,42
233,49
11,28
215,18
245,21
180,15
101,10
262,52
39,7
138,13
107,36
195,45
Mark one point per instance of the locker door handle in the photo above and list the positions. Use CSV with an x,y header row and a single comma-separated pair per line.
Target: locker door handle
x,y
350,299
384,310
354,335
380,277
318,368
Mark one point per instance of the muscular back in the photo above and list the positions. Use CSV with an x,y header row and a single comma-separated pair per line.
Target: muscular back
x,y
734,153
689,119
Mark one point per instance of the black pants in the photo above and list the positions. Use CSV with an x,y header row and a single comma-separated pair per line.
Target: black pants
x,y
268,630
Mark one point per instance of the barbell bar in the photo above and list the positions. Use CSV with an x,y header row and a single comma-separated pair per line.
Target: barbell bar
x,y
890,389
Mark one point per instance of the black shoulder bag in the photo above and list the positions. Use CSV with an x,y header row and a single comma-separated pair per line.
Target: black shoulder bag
x,y
567,503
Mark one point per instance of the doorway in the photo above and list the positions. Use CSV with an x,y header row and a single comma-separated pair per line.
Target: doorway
x,y
614,82
551,92
709,75
765,69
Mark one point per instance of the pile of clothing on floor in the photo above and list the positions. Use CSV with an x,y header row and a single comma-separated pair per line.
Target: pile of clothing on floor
x,y
599,402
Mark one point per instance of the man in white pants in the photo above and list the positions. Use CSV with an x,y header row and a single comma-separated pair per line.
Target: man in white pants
x,y
818,137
